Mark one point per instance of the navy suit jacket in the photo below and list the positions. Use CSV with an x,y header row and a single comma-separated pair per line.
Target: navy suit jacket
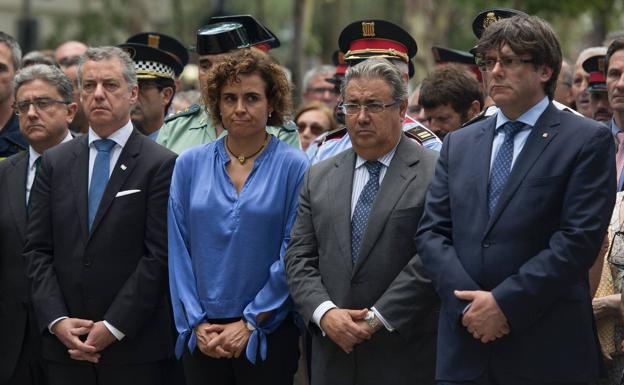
x,y
533,253
118,271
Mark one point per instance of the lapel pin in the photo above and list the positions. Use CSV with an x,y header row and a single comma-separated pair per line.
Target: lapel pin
x,y
545,135
123,167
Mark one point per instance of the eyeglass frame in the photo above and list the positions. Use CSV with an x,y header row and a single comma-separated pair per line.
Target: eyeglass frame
x,y
366,107
619,265
506,62
25,105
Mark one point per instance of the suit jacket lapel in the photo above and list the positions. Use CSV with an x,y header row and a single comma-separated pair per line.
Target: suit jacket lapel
x,y
127,159
481,176
17,192
80,180
541,135
340,185
397,178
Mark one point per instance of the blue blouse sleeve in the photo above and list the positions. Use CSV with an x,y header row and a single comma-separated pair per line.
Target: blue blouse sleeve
x,y
274,295
187,309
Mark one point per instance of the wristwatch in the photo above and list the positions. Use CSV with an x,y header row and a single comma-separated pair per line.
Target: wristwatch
x,y
372,321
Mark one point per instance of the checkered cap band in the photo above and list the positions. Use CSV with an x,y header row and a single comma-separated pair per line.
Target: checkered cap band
x,y
145,68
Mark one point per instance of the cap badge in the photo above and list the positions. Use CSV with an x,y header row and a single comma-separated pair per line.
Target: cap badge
x,y
153,41
489,19
368,29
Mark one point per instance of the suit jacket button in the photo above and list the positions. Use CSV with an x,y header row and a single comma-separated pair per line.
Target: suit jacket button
x,y
87,263
486,244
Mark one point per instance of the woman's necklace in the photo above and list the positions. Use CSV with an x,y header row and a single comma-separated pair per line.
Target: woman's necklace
x,y
242,158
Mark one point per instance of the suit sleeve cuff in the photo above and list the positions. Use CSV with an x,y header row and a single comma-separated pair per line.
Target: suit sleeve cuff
x,y
385,323
114,331
320,312
54,323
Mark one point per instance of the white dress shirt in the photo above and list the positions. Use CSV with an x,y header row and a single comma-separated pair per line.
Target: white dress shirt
x,y
32,169
120,137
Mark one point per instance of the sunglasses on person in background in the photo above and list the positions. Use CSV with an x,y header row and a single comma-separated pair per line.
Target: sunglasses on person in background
x,y
315,128
41,104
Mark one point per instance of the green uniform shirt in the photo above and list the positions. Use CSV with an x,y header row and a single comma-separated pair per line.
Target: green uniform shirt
x,y
193,127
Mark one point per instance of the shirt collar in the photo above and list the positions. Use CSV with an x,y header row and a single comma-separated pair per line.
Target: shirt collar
x,y
529,117
33,155
120,136
385,159
614,127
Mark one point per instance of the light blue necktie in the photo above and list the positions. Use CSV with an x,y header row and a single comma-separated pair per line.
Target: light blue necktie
x,y
501,168
363,207
99,176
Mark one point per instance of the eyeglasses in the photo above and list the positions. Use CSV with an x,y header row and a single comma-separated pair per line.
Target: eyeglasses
x,y
41,104
373,108
315,128
322,90
615,256
507,62
145,85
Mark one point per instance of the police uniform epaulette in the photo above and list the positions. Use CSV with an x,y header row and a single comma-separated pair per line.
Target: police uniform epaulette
x,y
419,133
190,110
336,134
477,118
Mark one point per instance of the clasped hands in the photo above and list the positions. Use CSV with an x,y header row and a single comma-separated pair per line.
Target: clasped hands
x,y
484,319
69,331
346,327
225,340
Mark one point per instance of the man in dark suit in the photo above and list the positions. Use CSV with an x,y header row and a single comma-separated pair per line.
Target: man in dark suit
x,y
514,219
96,241
351,263
43,102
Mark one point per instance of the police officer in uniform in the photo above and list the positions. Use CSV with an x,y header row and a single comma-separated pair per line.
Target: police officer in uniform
x,y
223,35
359,41
597,88
159,60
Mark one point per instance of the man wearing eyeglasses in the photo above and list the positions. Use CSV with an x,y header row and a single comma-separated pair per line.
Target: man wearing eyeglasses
x,y
317,88
43,102
96,246
351,264
514,219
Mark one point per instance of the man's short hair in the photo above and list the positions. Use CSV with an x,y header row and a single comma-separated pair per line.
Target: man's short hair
x,y
16,51
108,53
377,68
526,35
567,71
452,85
326,70
50,74
616,45
37,57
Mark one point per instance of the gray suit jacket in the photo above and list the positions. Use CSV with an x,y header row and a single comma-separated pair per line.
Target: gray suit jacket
x,y
387,273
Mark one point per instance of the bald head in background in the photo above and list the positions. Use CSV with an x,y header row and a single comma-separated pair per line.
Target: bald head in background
x,y
67,51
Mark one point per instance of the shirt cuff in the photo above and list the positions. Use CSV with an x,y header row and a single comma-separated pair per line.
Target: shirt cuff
x,y
114,331
320,312
385,323
54,322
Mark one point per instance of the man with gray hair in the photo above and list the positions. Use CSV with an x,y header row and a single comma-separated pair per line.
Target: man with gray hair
x,y
11,140
43,97
317,88
98,285
351,264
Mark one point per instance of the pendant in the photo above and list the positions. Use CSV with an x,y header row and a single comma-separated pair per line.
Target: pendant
x,y
241,159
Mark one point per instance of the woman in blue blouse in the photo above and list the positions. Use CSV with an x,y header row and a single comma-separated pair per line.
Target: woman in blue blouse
x,y
231,208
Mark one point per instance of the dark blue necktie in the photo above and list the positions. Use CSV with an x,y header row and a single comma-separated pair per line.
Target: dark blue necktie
x,y
501,168
364,206
99,176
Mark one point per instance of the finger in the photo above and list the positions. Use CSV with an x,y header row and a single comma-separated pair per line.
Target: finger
x,y
359,332
78,322
213,328
465,295
82,356
357,315
213,343
222,353
83,346
79,331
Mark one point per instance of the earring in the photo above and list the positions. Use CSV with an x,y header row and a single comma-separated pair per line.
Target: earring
x,y
269,114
